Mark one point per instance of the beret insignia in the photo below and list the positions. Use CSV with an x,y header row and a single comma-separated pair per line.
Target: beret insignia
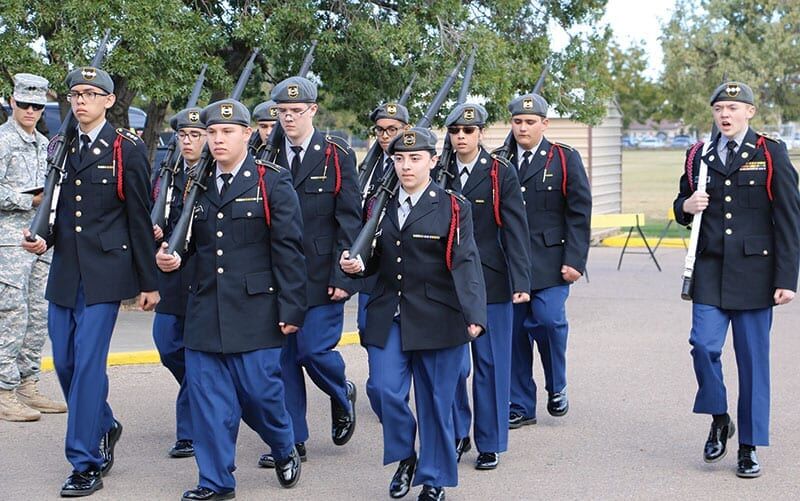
x,y
732,90
391,109
293,91
273,112
89,73
194,116
409,138
226,110
469,113
527,104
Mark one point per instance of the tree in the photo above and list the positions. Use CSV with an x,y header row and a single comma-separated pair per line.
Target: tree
x,y
752,42
639,97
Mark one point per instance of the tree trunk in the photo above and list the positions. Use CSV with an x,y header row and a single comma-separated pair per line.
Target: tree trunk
x,y
155,117
118,114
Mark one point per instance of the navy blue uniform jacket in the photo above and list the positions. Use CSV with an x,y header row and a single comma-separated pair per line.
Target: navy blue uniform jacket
x,y
558,224
436,304
330,222
248,276
503,250
748,246
101,241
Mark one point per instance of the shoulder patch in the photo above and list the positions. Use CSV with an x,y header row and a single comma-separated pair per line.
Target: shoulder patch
x,y
273,166
565,146
130,136
339,143
458,196
767,136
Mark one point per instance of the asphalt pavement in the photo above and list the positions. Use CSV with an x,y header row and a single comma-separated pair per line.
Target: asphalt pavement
x,y
629,434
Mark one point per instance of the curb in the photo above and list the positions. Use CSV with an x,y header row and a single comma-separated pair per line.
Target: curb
x,y
671,243
152,357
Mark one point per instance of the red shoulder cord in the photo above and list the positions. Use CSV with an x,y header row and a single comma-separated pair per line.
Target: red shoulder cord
x,y
690,163
563,166
454,233
762,143
494,174
331,150
118,160
263,186
157,188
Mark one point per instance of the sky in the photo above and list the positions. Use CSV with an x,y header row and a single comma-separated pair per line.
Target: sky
x,y
633,21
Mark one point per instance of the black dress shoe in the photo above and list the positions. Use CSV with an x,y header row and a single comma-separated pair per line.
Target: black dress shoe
x,y
747,465
343,421
487,461
107,445
182,449
557,403
401,481
462,445
516,420
267,461
430,493
81,484
288,470
716,445
206,494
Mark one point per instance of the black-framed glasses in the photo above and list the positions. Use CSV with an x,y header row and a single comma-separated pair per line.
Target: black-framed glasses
x,y
193,135
379,131
89,95
294,112
25,106
468,129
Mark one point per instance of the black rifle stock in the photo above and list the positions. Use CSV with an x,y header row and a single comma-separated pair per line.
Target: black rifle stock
x,y
169,164
444,165
42,223
362,246
180,234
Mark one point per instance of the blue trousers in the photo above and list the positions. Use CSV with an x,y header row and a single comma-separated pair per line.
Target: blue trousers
x,y
373,393
390,371
312,348
80,338
223,390
168,337
542,321
751,345
491,359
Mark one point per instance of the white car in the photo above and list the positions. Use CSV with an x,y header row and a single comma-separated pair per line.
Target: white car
x,y
650,143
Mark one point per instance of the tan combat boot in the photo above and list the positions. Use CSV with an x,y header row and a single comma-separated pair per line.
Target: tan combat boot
x,y
12,409
28,394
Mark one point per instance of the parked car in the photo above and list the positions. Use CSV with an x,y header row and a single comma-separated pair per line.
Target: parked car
x,y
650,143
52,117
681,141
628,142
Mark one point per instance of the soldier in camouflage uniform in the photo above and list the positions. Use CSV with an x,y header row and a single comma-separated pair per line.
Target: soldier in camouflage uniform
x,y
23,319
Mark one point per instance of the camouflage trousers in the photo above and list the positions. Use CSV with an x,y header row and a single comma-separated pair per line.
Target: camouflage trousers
x,y
23,327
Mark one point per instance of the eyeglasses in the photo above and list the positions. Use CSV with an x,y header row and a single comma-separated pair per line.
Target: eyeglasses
x,y
468,129
294,112
379,131
89,95
192,136
25,106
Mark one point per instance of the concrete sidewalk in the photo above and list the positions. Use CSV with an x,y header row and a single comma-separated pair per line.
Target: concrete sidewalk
x,y
630,433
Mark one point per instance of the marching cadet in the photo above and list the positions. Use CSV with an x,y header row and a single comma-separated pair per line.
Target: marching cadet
x,y
501,233
265,115
247,295
390,120
324,175
558,203
174,287
103,253
23,327
420,316
747,262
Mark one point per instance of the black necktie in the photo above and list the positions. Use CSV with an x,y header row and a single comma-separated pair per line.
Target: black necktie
x,y
296,159
526,162
226,179
731,145
389,165
84,146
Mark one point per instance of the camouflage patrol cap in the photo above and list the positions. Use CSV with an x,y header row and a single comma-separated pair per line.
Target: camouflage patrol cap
x,y
29,88
266,111
187,119
467,114
90,76
294,90
394,111
414,139
733,91
529,104
227,111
